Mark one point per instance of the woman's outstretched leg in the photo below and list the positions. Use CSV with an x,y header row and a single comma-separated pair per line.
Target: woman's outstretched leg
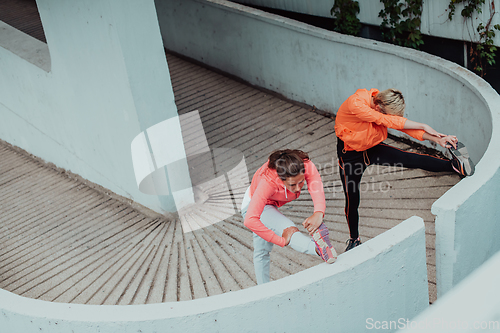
x,y
383,154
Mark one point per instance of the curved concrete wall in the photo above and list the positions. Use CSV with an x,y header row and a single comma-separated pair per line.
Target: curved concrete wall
x,y
472,306
384,278
434,18
80,100
323,68
467,227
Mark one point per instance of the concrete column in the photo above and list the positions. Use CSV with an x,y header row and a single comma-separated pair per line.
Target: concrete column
x,y
109,82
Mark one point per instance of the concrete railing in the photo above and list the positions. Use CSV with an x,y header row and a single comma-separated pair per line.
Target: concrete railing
x,y
323,68
384,279
25,47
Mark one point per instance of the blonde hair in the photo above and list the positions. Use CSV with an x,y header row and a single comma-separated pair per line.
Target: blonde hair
x,y
391,102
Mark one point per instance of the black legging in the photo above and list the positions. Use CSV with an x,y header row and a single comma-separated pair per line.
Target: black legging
x,y
352,164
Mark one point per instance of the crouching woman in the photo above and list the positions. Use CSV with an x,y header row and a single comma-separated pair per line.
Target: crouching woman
x,y
276,183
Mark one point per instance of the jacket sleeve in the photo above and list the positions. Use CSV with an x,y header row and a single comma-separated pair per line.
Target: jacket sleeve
x,y
255,209
315,187
415,133
358,107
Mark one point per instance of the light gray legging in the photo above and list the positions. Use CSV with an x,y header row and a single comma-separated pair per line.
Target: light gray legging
x,y
272,218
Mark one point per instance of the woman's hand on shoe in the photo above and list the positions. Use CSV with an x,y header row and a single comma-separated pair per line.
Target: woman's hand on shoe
x,y
287,234
448,141
313,222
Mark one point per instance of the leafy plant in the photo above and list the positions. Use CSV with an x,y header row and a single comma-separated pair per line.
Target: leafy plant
x,y
469,7
345,13
401,22
483,50
486,49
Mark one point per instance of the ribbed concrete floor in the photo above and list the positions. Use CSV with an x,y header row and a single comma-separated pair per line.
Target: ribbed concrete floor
x,y
63,241
23,14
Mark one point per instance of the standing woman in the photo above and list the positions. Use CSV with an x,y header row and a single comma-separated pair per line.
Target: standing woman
x,y
274,184
361,126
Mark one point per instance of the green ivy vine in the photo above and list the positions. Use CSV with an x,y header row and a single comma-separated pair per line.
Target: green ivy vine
x,y
470,6
483,50
345,13
401,22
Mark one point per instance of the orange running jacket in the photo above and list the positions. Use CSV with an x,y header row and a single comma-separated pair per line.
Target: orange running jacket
x,y
361,127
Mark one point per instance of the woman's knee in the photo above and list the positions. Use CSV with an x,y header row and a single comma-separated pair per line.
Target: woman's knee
x,y
302,243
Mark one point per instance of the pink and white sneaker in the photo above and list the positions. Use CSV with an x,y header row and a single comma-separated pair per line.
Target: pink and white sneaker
x,y
323,246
